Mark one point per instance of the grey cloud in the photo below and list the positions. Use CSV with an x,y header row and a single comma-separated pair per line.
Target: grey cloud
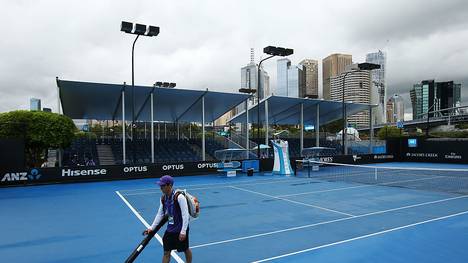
x,y
203,44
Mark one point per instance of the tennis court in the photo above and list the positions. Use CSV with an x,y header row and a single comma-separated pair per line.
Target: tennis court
x,y
327,217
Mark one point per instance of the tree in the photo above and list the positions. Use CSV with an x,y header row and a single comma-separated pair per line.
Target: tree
x,y
333,127
40,131
389,132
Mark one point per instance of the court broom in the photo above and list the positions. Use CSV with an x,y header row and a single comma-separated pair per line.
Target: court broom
x,y
136,252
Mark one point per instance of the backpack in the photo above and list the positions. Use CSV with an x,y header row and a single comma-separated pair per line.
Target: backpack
x,y
193,204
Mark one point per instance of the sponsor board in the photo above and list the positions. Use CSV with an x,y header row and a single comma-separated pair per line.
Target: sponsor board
x,y
207,165
32,175
173,167
453,156
328,159
383,156
428,155
356,157
84,172
135,169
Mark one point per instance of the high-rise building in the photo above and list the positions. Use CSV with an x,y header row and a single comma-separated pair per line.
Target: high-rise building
x,y
291,79
249,78
379,86
311,77
249,81
357,89
395,109
430,96
449,94
265,83
282,66
420,98
35,104
332,66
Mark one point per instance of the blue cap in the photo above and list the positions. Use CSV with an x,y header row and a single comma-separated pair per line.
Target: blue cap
x,y
165,180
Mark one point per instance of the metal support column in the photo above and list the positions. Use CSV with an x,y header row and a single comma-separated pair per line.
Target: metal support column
x,y
371,130
302,129
266,127
124,151
203,128
317,127
58,95
345,131
152,127
247,128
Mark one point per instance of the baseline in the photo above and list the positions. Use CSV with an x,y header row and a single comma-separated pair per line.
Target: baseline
x,y
214,186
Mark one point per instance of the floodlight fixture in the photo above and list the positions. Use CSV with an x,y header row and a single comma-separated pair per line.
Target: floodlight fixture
x,y
158,84
152,31
140,29
165,84
126,27
368,66
269,50
249,91
288,51
172,85
278,51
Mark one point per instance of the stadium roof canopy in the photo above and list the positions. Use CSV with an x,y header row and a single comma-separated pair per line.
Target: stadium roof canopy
x,y
286,110
100,101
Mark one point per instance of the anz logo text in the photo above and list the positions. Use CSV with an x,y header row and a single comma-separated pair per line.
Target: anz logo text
x,y
22,176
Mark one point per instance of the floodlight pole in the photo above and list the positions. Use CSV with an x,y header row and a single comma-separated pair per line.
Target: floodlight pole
x,y
133,97
343,138
137,29
258,103
360,67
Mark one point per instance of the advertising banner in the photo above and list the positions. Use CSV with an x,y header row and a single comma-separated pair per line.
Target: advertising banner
x,y
98,173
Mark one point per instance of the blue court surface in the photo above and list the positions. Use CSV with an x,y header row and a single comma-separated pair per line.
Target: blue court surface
x,y
263,218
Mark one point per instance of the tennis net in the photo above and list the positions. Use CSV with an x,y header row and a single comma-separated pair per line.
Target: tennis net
x,y
430,179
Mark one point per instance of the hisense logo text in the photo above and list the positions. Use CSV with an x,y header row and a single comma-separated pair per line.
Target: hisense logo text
x,y
70,172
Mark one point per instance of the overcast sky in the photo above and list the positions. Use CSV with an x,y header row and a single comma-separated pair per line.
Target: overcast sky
x,y
204,43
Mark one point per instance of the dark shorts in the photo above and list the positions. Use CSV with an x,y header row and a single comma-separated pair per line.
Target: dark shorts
x,y
171,241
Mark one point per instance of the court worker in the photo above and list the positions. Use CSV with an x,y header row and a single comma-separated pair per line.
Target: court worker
x,y
176,210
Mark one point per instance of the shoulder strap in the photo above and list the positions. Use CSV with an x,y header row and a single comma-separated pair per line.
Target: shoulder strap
x,y
176,196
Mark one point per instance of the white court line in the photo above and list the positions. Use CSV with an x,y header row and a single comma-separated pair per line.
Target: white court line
x,y
217,187
129,192
362,237
328,222
214,184
295,202
359,186
173,254
334,165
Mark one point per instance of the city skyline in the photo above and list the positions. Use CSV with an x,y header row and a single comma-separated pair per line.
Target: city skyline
x,y
204,49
